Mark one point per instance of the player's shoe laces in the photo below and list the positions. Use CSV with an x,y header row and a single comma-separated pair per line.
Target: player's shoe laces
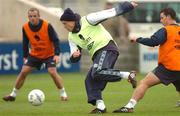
x,y
132,79
123,110
98,111
9,98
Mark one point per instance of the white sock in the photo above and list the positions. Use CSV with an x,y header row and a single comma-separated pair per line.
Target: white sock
x,y
100,104
63,92
131,103
14,92
124,75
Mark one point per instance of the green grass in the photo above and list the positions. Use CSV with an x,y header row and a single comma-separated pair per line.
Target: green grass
x,y
158,101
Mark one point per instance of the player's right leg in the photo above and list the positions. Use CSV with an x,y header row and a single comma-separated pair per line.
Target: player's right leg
x,y
178,102
94,90
19,83
139,93
27,68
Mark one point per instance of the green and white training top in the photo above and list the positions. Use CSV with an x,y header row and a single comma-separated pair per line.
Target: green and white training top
x,y
91,38
93,35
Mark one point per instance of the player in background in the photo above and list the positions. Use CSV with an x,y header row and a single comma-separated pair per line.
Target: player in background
x,y
87,33
44,49
168,69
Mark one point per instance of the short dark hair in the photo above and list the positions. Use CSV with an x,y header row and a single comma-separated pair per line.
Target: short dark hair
x,y
34,9
169,12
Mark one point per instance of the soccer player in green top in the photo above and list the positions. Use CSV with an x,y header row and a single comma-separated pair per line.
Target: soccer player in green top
x,y
87,33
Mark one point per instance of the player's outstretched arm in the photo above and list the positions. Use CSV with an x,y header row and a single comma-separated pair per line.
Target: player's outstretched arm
x,y
97,17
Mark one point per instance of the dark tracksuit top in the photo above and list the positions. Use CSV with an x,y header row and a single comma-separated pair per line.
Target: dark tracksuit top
x,y
156,39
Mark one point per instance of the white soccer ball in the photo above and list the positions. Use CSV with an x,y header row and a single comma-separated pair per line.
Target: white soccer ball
x,y
36,97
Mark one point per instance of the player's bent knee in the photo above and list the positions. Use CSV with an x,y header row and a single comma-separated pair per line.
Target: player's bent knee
x,y
144,83
51,70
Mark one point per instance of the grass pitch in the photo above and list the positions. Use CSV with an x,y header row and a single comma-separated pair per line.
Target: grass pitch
x,y
158,101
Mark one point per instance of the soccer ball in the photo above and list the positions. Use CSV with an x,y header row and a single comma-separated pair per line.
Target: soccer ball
x,y
36,97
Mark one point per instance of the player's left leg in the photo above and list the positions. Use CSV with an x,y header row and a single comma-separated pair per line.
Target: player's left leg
x,y
58,82
103,68
51,66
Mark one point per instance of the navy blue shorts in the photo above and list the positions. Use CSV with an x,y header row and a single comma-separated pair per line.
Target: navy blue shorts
x,y
167,76
39,63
